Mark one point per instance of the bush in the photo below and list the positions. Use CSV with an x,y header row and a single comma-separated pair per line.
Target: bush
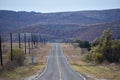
x,y
115,50
97,57
104,48
18,58
83,44
86,57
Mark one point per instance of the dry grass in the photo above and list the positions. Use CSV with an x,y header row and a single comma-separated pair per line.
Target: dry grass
x,y
91,71
28,69
71,52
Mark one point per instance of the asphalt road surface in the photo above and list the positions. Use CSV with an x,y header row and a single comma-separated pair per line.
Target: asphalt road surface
x,y
57,67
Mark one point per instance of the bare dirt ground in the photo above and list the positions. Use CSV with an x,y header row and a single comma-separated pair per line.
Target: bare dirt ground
x,y
105,71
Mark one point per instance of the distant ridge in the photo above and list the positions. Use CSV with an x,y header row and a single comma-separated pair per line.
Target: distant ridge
x,y
86,25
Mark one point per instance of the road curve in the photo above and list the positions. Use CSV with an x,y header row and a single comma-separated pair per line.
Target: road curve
x,y
57,67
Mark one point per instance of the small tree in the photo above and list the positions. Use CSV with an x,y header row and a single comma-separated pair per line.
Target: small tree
x,y
96,42
105,44
108,48
84,44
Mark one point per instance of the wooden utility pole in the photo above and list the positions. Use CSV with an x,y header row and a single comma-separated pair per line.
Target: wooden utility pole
x,y
11,46
1,60
19,40
39,38
25,42
29,45
32,40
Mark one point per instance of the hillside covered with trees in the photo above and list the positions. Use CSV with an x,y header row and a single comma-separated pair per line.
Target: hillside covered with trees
x,y
84,25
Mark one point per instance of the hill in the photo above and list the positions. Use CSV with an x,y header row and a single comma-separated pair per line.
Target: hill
x,y
72,31
86,25
12,20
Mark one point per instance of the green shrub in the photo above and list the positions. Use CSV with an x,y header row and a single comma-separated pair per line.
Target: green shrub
x,y
104,48
18,58
86,57
97,57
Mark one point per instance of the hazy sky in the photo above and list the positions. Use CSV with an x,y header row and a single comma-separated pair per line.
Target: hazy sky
x,y
58,5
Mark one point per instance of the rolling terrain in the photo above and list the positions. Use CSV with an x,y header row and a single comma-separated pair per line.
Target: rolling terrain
x,y
72,31
86,25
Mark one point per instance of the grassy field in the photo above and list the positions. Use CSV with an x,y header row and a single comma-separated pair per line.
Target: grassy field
x,y
91,71
28,70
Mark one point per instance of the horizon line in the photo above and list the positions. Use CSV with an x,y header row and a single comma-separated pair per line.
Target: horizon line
x,y
57,11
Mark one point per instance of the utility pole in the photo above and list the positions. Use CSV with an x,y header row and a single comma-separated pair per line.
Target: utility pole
x,y
1,60
29,45
11,46
44,40
39,38
19,40
25,42
32,40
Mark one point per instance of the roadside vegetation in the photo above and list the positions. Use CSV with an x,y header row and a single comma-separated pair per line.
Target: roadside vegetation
x,y
22,67
103,49
97,60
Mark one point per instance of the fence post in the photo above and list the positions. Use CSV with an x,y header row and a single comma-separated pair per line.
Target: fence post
x,y
1,60
11,46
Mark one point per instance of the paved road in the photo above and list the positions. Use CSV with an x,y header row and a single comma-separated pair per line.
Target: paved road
x,y
57,67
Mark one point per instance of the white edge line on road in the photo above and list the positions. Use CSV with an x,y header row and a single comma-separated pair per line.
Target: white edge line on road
x,y
45,69
41,74
71,67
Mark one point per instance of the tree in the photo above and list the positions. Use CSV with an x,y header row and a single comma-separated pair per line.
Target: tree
x,y
103,48
84,44
115,50
105,44
95,42
106,37
108,48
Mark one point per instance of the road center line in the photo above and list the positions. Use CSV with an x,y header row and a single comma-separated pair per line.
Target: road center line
x,y
60,74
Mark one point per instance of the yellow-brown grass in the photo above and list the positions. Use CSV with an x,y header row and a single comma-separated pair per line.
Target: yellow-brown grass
x,y
28,69
91,71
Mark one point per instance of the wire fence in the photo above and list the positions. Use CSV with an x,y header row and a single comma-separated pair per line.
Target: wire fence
x,y
24,41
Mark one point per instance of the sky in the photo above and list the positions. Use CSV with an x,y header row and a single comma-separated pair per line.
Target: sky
x,y
46,6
